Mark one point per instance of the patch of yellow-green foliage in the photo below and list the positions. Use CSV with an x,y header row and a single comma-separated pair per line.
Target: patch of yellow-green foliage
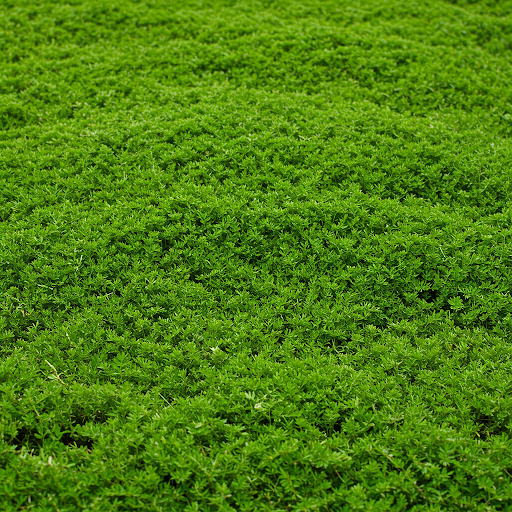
x,y
255,255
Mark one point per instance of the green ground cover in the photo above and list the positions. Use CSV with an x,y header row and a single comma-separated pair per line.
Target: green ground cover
x,y
255,255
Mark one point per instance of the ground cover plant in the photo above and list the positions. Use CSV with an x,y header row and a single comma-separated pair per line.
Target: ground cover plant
x,y
255,255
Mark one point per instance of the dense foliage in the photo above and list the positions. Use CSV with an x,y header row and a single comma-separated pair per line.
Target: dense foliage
x,y
255,255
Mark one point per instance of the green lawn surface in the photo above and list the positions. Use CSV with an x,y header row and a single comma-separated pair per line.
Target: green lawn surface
x,y
255,256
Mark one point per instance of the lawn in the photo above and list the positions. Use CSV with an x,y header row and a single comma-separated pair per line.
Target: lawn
x,y
255,256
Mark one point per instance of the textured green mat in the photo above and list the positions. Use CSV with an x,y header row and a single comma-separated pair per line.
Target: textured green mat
x,y
255,256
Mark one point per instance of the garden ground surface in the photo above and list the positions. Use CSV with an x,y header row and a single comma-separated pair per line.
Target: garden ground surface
x,y
255,255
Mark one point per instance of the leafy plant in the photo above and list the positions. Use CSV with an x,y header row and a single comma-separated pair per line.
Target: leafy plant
x,y
255,256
